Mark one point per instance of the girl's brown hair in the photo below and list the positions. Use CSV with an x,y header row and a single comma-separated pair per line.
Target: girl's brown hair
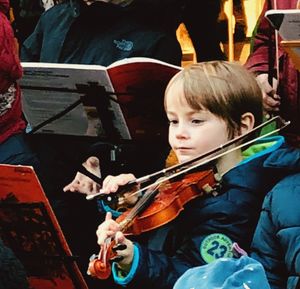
x,y
226,89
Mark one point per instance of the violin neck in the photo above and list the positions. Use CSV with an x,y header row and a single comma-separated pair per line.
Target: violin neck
x,y
143,202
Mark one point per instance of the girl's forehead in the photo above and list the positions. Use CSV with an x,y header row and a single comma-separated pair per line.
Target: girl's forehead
x,y
175,91
176,97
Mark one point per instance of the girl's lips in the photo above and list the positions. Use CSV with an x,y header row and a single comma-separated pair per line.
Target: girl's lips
x,y
183,149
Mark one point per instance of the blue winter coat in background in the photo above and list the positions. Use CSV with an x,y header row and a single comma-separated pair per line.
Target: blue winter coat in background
x,y
206,228
72,32
276,242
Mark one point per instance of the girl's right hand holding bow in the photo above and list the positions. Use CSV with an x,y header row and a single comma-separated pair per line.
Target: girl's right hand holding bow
x,y
112,184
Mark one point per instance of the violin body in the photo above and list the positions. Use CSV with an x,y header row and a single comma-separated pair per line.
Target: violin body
x,y
170,201
163,208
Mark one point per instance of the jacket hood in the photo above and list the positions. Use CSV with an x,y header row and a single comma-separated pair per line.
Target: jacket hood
x,y
4,6
287,158
262,170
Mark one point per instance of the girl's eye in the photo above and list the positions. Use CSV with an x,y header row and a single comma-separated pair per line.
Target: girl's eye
x,y
173,121
197,121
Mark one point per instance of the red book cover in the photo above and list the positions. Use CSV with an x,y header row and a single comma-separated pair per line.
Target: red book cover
x,y
140,85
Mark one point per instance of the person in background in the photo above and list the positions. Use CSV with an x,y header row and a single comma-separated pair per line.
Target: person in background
x,y
282,96
13,146
160,16
275,242
98,32
26,14
206,106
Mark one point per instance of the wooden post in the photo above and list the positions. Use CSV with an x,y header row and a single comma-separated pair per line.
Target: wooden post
x,y
230,31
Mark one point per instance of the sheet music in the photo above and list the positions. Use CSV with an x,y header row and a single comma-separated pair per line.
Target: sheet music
x,y
49,88
287,22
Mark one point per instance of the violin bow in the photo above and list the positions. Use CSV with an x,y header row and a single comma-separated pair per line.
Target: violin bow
x,y
182,168
271,45
270,51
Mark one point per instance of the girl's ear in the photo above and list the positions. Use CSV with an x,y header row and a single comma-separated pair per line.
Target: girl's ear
x,y
247,122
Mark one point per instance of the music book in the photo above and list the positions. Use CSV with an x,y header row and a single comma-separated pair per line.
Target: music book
x,y
29,227
287,22
122,101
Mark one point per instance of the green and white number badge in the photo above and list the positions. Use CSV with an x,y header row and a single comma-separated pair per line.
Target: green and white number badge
x,y
216,246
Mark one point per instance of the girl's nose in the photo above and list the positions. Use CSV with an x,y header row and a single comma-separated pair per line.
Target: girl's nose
x,y
181,132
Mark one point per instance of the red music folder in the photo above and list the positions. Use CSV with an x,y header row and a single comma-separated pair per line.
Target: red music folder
x,y
29,227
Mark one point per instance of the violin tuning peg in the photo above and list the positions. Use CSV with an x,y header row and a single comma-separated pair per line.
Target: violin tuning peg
x,y
214,193
207,188
210,190
93,257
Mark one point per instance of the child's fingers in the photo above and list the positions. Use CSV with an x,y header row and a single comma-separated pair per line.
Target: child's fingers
x,y
119,238
112,183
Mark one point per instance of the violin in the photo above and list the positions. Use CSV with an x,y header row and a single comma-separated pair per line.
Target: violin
x,y
163,200
167,200
159,205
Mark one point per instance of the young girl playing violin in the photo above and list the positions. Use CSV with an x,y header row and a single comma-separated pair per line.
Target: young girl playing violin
x,y
207,104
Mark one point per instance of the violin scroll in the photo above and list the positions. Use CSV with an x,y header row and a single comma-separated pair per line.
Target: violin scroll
x,y
99,269
100,266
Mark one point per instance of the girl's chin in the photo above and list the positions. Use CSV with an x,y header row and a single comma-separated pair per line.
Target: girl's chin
x,y
184,158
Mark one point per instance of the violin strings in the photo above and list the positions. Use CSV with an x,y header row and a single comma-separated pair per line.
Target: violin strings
x,y
143,201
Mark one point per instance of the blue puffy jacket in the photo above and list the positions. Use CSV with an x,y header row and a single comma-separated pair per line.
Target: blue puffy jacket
x,y
276,242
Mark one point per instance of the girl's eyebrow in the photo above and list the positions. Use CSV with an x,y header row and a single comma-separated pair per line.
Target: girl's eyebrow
x,y
170,112
196,112
190,113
